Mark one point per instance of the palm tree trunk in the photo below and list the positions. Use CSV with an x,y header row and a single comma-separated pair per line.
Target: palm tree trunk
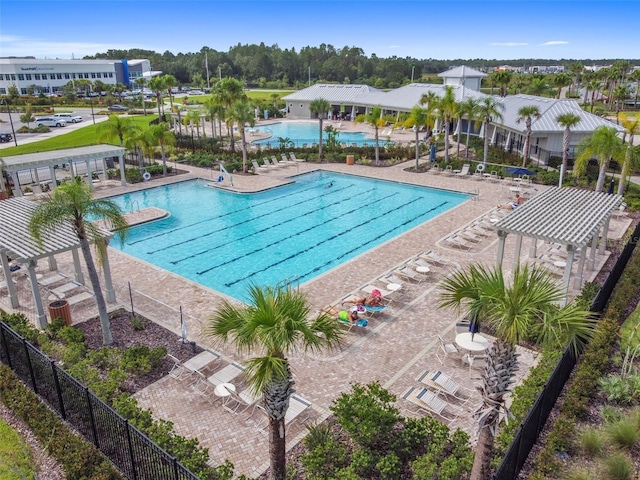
x,y
105,324
164,160
458,139
277,449
446,139
601,176
466,145
244,152
525,150
377,146
417,146
485,156
565,154
626,166
481,469
320,140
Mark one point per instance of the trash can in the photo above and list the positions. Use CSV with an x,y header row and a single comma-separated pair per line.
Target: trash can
x,y
351,159
60,309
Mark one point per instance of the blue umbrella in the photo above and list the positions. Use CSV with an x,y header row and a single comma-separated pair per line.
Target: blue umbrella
x,y
519,171
474,326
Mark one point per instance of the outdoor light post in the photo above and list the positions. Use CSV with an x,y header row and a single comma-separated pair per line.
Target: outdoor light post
x,y
13,132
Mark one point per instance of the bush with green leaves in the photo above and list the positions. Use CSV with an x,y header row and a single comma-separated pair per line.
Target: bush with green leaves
x,y
141,359
132,175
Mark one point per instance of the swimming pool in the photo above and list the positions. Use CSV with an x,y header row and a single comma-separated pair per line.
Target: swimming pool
x,y
302,133
226,240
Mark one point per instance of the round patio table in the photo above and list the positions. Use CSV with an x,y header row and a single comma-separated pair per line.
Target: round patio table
x,y
478,344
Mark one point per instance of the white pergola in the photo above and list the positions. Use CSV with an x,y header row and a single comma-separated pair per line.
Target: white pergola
x,y
34,161
17,244
571,217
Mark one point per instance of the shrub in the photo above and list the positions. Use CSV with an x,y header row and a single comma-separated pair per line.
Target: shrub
x,y
140,359
133,175
618,467
590,442
325,453
623,433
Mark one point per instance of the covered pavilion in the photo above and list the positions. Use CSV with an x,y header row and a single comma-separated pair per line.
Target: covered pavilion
x,y
571,217
71,156
17,245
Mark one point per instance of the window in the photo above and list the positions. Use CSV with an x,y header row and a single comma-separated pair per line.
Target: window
x,y
73,75
36,76
27,76
23,91
93,75
20,76
110,74
59,76
67,76
2,76
13,76
3,91
86,75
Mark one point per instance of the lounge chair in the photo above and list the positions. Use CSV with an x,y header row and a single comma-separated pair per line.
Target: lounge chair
x,y
226,374
295,159
178,370
51,279
202,360
434,258
455,241
297,406
410,274
244,400
266,161
275,161
463,171
429,402
257,166
444,383
288,161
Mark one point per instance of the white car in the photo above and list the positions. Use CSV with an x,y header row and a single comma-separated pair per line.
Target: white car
x,y
69,117
51,122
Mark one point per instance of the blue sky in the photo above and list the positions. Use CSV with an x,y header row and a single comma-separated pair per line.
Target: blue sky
x,y
443,29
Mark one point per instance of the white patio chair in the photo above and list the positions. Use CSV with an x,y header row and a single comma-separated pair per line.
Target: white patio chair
x,y
447,349
178,370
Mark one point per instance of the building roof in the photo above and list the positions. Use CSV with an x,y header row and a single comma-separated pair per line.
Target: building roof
x,y
462,72
335,93
549,109
568,216
408,96
34,160
17,242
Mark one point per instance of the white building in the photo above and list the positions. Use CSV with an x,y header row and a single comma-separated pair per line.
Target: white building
x,y
50,75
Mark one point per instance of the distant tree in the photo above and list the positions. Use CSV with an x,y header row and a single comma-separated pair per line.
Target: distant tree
x,y
115,126
603,144
526,114
227,92
27,117
619,95
561,80
163,138
538,86
417,119
468,109
489,109
242,113
568,121
157,85
632,155
320,107
374,118
502,78
448,107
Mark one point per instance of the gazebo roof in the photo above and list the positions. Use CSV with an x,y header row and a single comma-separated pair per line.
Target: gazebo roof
x,y
17,242
41,159
568,216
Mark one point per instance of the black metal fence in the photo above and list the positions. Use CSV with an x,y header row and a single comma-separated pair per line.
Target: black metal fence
x,y
130,450
527,435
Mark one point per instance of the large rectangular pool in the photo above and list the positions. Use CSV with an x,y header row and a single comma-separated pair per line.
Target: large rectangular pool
x,y
226,240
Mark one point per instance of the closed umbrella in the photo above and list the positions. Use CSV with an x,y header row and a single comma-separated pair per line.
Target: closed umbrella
x,y
474,326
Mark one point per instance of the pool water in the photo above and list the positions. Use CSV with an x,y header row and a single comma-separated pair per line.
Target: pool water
x,y
226,240
301,133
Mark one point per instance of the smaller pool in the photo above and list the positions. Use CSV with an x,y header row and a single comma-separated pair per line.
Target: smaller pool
x,y
301,133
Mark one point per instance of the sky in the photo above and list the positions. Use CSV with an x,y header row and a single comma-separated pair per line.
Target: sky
x,y
422,29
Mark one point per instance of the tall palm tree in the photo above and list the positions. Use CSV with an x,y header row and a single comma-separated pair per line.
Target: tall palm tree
x,y
242,113
273,324
524,306
227,92
140,82
603,144
72,204
502,78
193,118
561,80
374,118
430,99
619,95
214,110
594,86
448,107
632,125
162,137
469,109
417,119
526,114
320,107
116,126
157,85
538,86
489,109
170,83
568,121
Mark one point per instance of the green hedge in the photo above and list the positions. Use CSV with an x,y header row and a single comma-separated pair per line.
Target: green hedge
x,y
79,459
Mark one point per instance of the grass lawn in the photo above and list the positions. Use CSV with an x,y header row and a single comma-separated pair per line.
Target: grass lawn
x,y
81,137
264,95
15,456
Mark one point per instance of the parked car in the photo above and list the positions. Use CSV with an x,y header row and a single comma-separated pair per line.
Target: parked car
x,y
51,122
117,108
196,92
5,137
69,117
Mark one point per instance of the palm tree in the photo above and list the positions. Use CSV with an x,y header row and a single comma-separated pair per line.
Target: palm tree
x,y
169,83
193,117
522,307
72,204
430,99
561,80
227,92
489,109
374,118
526,113
538,86
447,106
320,107
162,137
603,144
468,108
140,81
273,324
242,113
157,85
116,126
594,86
630,159
214,110
502,78
567,120
417,119
619,95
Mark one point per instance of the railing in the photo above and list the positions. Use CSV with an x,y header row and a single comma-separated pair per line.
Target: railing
x,y
527,435
130,450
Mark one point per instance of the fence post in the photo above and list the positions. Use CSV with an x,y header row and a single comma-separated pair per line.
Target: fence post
x,y
130,445
31,374
56,381
6,346
94,430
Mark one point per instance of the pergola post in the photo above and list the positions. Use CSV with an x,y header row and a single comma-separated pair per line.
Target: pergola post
x,y
591,264
11,288
578,281
37,299
53,265
123,181
35,172
17,191
104,168
567,273
518,248
533,251
76,265
89,174
502,236
52,172
605,232
108,283
506,144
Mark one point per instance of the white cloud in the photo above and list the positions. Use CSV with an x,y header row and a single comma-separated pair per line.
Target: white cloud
x,y
393,46
554,42
508,44
11,45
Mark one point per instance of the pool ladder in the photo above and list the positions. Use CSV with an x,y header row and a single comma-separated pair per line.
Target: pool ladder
x,y
292,281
